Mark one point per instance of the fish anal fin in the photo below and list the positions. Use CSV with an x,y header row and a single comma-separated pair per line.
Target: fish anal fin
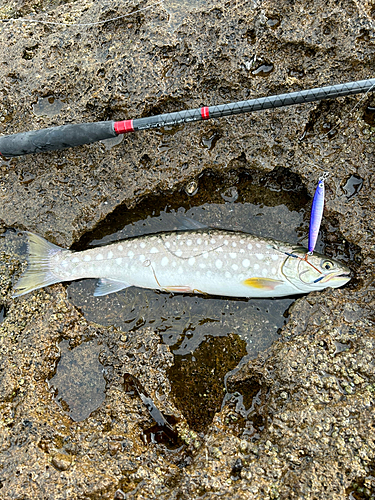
x,y
106,286
178,289
262,283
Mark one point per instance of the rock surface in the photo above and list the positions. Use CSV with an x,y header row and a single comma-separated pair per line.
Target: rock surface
x,y
304,424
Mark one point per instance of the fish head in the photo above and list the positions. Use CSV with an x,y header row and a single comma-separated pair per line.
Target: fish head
x,y
314,272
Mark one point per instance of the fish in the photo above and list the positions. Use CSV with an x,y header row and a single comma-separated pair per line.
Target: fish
x,y
200,260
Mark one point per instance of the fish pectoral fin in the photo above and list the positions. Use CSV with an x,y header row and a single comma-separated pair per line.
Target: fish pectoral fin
x,y
106,286
178,289
262,283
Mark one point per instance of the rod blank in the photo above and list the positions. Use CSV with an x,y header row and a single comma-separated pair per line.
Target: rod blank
x,y
66,136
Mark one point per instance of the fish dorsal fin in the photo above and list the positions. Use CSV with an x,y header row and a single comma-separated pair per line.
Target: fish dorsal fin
x,y
106,286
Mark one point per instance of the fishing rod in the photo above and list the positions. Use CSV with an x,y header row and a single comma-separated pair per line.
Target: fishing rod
x,y
67,136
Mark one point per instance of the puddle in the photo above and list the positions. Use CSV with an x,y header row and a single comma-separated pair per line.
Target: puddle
x,y
2,313
208,335
197,380
270,206
48,106
353,186
78,384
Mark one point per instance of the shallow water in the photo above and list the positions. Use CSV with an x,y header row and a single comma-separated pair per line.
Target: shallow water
x,y
265,206
271,205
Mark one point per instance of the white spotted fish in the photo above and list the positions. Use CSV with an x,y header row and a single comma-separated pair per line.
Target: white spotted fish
x,y
206,261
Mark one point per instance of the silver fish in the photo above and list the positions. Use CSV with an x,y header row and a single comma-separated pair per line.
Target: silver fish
x,y
207,261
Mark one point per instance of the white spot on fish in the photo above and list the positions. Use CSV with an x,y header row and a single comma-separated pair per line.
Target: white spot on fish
x,y
242,242
64,263
120,248
118,260
109,255
228,274
141,258
259,256
234,244
274,257
242,250
130,254
213,241
258,245
205,255
256,267
202,266
174,263
197,274
249,246
142,244
180,270
225,242
234,267
189,243
75,259
273,271
99,256
164,261
233,255
154,250
167,244
264,272
199,241
191,261
246,263
178,253
218,263
87,258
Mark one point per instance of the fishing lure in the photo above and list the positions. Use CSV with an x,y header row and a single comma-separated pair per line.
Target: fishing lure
x,y
316,213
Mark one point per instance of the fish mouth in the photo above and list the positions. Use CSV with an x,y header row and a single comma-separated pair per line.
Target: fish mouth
x,y
336,279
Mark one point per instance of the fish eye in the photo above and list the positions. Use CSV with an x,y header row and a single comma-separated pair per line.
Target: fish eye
x,y
328,265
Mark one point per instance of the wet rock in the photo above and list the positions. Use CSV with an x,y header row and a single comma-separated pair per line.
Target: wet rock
x,y
300,421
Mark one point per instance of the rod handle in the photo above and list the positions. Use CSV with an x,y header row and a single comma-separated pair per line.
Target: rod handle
x,y
55,138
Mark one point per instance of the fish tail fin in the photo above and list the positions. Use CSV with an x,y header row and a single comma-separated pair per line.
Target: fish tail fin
x,y
38,273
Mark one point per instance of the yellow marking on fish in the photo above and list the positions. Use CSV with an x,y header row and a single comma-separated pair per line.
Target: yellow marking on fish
x,y
262,283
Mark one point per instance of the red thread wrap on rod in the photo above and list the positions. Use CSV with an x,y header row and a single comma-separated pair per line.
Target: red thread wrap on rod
x,y
124,126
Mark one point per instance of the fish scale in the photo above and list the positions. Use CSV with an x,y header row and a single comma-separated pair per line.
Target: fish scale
x,y
210,261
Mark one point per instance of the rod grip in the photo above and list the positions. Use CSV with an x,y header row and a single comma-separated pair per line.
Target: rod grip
x,y
55,138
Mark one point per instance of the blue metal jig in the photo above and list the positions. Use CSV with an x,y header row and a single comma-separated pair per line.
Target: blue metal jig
x,y
316,213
